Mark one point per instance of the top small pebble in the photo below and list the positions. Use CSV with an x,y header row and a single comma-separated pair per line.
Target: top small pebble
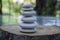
x,y
27,5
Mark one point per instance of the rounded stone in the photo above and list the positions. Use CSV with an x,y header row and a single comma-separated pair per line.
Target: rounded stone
x,y
26,25
29,19
28,13
27,5
27,9
28,30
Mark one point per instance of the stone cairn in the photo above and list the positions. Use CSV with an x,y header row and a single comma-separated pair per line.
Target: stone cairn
x,y
28,24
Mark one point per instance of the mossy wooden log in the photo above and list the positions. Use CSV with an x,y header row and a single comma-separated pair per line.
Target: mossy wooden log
x,y
42,33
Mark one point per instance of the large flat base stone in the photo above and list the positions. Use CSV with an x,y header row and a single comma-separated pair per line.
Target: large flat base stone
x,y
28,30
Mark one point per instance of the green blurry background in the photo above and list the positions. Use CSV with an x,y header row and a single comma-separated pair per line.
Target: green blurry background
x,y
11,10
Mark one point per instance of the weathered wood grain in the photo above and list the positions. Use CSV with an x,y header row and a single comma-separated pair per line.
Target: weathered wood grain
x,y
8,35
40,30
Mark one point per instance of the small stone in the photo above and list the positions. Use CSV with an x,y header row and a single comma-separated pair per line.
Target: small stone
x,y
27,5
28,25
27,9
28,13
29,19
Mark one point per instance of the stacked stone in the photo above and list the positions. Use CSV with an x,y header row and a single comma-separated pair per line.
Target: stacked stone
x,y
28,20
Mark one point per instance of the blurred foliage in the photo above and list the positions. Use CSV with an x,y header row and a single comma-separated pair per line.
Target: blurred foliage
x,y
12,9
47,7
8,6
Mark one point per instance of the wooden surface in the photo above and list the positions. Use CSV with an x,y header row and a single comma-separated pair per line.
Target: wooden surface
x,y
40,30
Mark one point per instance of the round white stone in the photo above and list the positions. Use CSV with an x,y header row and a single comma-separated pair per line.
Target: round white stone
x,y
27,9
29,19
27,30
26,25
27,5
29,13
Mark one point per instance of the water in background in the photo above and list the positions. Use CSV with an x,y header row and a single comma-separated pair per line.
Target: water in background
x,y
48,20
41,20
